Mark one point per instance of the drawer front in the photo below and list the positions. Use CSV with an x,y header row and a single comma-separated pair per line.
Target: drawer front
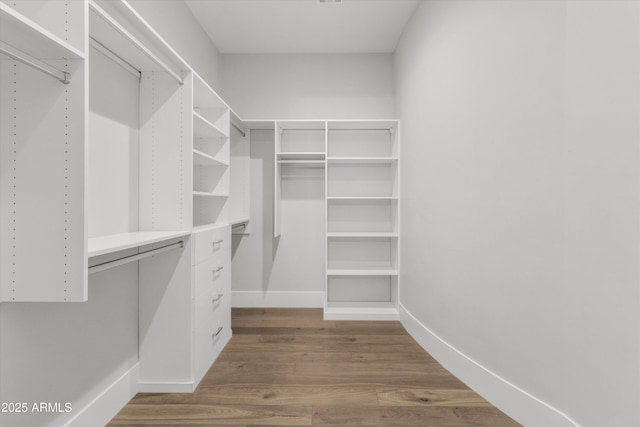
x,y
211,243
209,333
211,306
212,276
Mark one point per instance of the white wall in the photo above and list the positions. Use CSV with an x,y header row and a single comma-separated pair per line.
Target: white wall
x,y
521,201
175,23
312,86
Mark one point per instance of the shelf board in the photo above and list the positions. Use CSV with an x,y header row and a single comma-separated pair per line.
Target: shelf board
x,y
362,272
29,37
203,128
203,159
367,160
362,198
360,311
208,194
362,234
239,221
118,242
301,162
301,155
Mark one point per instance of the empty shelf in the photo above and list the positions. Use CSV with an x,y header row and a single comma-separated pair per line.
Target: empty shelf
x,y
203,128
362,272
202,159
118,242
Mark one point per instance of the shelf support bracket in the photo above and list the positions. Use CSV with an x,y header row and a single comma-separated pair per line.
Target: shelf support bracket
x,y
18,55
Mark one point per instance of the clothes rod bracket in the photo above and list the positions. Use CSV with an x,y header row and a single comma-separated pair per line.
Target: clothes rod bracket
x,y
10,51
135,257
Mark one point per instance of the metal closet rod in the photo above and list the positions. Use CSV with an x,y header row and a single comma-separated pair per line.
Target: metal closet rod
x,y
34,63
114,57
239,129
127,259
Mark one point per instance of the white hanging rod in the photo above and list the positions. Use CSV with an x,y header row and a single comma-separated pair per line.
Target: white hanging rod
x,y
114,57
127,259
239,129
34,63
134,41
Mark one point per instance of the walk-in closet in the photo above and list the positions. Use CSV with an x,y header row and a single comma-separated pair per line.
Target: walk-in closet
x,y
319,213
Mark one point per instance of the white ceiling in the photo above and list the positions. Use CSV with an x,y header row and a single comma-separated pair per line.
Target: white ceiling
x,y
303,26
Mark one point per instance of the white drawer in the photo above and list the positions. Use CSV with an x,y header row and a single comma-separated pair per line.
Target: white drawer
x,y
210,330
211,243
211,275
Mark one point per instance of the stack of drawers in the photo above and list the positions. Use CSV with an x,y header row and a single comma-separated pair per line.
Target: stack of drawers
x,y
211,273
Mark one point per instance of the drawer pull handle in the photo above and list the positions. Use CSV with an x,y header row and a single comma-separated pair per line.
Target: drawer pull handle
x,y
217,242
217,270
215,335
216,299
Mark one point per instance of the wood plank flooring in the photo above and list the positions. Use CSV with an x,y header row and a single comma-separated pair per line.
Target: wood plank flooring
x,y
288,367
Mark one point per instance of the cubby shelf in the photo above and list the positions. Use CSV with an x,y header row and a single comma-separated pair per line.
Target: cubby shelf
x,y
362,198
207,194
301,155
118,242
365,160
302,162
25,35
361,234
203,128
350,311
362,272
202,159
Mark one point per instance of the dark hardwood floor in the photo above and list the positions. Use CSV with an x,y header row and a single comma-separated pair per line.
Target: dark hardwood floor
x,y
288,367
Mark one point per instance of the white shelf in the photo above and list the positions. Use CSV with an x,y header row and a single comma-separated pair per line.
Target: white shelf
x,y
302,162
301,155
118,242
362,198
29,37
207,194
367,160
202,159
362,272
360,311
361,234
203,128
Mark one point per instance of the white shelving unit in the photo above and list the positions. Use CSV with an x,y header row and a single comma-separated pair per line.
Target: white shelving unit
x,y
362,229
211,156
43,79
183,185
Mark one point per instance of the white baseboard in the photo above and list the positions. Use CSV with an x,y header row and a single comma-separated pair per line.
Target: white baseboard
x,y
277,299
108,403
182,387
509,398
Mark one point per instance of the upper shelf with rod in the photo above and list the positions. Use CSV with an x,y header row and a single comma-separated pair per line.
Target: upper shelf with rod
x,y
116,27
26,41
